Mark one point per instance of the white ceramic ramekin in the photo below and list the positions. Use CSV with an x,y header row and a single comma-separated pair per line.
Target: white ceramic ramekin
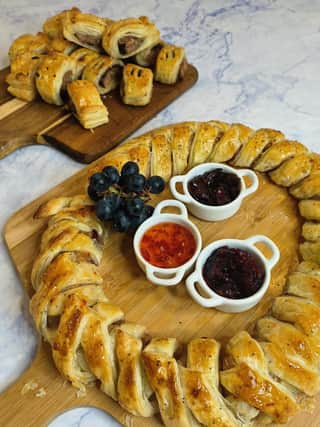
x,y
208,212
166,276
212,299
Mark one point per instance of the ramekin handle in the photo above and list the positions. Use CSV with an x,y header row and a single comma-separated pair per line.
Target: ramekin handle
x,y
173,188
172,203
254,182
271,262
191,282
173,279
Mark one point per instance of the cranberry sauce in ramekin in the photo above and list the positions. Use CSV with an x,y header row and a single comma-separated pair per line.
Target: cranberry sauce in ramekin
x,y
233,273
215,187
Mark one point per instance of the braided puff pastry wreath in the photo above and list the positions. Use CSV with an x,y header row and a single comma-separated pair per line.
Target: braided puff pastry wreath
x,y
267,377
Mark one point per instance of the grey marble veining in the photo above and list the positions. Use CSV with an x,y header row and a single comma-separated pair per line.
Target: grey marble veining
x,y
258,63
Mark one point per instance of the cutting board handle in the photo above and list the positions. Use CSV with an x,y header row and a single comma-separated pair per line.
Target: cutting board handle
x,y
20,408
8,146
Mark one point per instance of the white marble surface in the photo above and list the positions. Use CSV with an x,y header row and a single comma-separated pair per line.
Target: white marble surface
x,y
259,64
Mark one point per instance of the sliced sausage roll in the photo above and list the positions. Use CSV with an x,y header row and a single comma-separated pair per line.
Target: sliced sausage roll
x,y
86,104
127,37
148,56
53,26
84,29
171,64
105,72
55,71
21,79
311,231
136,87
35,44
83,57
62,46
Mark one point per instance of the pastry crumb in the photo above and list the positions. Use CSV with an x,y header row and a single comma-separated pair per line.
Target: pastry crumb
x,y
29,386
41,392
80,393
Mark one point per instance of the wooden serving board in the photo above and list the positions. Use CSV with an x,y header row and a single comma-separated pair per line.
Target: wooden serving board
x,y
163,310
27,123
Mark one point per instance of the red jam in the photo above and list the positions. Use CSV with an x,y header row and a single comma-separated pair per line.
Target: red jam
x,y
167,245
215,187
233,273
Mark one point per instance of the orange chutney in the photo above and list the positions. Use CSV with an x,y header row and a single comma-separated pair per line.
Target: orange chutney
x,y
167,245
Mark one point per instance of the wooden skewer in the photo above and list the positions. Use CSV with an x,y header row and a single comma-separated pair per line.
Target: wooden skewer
x,y
11,106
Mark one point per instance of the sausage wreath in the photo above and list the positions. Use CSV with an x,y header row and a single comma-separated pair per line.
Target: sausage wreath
x,y
267,377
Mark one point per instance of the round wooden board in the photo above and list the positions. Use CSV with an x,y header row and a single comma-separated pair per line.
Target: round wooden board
x,y
165,311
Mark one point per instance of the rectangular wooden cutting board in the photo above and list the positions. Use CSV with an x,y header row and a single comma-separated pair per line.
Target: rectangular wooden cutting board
x,y
23,124
164,311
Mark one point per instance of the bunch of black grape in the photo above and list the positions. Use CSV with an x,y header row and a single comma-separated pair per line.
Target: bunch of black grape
x,y
121,198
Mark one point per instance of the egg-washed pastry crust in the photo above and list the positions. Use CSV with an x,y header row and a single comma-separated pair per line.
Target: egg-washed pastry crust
x,y
268,376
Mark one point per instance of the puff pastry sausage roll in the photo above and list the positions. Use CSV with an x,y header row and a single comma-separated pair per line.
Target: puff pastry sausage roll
x,y
83,57
136,86
86,104
84,29
21,79
171,64
55,71
53,26
62,46
127,37
35,44
148,56
105,72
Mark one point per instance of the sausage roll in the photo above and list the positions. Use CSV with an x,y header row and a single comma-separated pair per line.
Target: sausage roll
x,y
171,64
83,57
147,57
127,37
105,72
21,79
55,71
84,29
307,188
62,46
292,170
136,86
53,26
86,104
34,44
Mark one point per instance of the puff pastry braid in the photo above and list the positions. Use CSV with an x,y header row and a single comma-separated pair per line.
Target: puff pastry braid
x,y
267,376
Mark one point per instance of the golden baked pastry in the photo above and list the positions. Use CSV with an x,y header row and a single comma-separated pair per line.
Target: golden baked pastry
x,y
170,64
147,57
53,26
55,71
86,104
127,37
62,46
136,85
21,79
267,377
35,44
83,57
105,72
84,29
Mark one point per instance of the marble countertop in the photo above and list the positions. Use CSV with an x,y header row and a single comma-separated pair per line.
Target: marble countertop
x,y
258,63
